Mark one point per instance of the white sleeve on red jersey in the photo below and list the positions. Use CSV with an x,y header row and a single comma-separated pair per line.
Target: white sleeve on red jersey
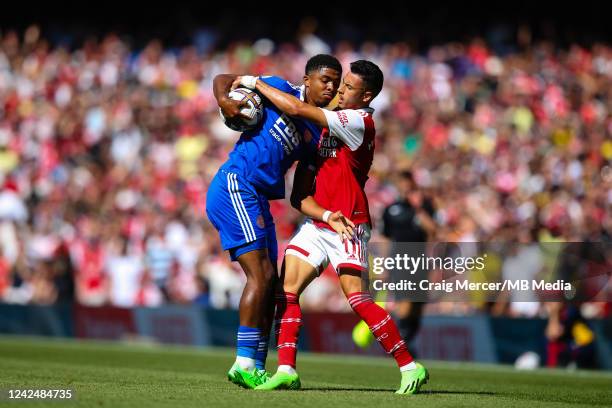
x,y
348,125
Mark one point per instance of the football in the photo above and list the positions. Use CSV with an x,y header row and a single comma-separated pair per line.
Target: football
x,y
253,111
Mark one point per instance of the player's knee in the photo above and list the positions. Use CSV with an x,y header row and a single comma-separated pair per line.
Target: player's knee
x,y
297,276
269,274
350,280
263,272
291,285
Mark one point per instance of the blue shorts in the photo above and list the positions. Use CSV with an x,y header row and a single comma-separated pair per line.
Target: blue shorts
x,y
241,215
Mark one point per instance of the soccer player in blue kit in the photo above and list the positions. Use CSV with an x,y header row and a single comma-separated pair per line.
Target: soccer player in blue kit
x,y
237,200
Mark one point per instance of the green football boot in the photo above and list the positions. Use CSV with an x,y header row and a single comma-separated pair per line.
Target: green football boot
x,y
413,380
247,379
263,375
281,381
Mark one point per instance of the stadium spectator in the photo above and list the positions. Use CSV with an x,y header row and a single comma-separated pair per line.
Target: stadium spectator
x,y
125,271
102,140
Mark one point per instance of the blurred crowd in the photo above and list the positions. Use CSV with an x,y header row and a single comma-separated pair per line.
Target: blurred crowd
x,y
106,153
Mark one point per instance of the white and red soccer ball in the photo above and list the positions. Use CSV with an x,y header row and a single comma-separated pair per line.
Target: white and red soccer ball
x,y
253,110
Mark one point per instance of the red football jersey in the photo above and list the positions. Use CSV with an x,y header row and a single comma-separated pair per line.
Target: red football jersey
x,y
345,154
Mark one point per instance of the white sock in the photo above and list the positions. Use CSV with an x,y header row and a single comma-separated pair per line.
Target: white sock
x,y
408,367
287,369
247,364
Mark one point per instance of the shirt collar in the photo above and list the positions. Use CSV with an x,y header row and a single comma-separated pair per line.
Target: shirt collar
x,y
367,109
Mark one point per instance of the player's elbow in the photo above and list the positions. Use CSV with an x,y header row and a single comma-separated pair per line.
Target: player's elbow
x,y
218,78
297,199
296,202
223,79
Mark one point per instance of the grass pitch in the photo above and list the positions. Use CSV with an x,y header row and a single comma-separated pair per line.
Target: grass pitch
x,y
118,375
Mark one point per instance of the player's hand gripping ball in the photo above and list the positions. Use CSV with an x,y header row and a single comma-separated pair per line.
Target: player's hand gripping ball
x,y
251,112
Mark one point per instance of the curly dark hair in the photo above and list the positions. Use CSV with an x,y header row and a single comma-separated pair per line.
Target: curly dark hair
x,y
323,61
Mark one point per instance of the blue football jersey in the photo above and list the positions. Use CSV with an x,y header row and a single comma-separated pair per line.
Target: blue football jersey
x,y
263,155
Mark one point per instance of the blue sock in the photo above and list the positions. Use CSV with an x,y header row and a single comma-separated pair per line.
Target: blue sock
x,y
248,339
262,352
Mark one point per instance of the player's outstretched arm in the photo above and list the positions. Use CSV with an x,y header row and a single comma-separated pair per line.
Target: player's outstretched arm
x,y
303,201
222,85
339,223
289,104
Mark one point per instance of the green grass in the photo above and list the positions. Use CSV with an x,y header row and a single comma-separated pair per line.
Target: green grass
x,y
118,375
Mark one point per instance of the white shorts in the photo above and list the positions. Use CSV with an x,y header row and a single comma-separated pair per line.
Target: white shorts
x,y
321,246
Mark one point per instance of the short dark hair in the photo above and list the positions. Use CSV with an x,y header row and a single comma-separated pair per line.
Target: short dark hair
x,y
371,75
407,175
323,61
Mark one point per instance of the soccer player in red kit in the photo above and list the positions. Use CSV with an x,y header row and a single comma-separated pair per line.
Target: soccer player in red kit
x,y
338,228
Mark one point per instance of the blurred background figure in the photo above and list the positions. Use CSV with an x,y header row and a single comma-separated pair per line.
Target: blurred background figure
x,y
409,224
125,272
570,340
